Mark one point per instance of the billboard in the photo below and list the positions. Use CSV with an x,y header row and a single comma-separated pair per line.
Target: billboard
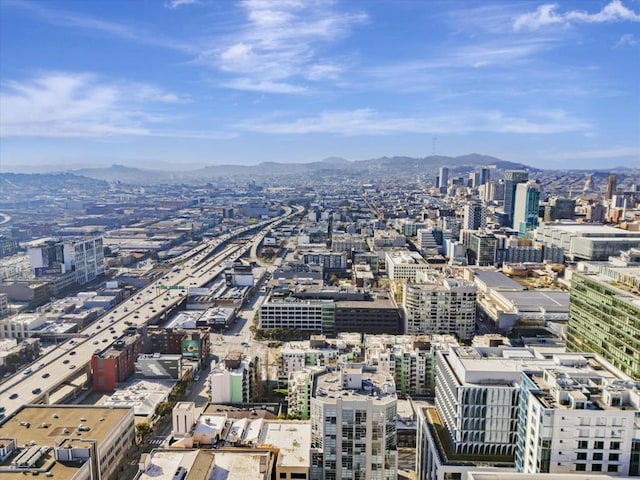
x,y
52,270
161,366
191,348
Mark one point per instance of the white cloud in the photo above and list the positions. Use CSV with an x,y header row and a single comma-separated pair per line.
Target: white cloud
x,y
547,14
266,86
627,40
371,122
70,20
276,49
179,3
63,104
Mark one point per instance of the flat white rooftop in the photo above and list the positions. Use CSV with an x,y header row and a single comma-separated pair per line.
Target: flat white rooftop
x,y
293,439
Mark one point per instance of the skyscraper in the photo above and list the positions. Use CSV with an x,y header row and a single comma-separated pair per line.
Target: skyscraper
x,y
612,185
511,179
485,175
525,211
475,216
353,424
443,178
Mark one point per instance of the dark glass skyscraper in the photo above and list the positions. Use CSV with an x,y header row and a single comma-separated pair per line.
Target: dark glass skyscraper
x,y
511,179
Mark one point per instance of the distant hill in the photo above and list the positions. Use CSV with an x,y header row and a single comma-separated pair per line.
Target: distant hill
x,y
18,182
393,166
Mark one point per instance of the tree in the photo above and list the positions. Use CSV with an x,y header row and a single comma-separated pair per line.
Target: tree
x,y
163,409
143,430
178,390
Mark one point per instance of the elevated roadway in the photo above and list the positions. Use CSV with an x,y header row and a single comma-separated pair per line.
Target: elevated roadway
x,y
72,358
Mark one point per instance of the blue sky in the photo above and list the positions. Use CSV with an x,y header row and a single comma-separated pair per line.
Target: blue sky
x,y
192,82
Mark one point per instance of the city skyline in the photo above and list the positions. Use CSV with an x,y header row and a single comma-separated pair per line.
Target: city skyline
x,y
204,82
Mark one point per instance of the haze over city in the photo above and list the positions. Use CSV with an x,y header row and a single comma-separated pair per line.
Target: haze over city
x,y
200,82
319,239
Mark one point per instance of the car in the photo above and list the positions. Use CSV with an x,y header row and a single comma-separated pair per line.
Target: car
x,y
237,334
115,337
36,391
196,378
245,344
27,372
105,340
46,375
41,365
95,342
65,361
98,327
72,366
72,352
13,396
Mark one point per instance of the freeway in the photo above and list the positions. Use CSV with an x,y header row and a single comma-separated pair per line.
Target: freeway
x,y
157,299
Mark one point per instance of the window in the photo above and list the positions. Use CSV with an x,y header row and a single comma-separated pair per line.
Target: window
x,y
614,446
614,457
583,444
283,475
598,445
597,456
581,456
596,467
612,468
581,467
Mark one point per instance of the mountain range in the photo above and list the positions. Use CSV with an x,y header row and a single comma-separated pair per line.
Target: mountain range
x,y
391,166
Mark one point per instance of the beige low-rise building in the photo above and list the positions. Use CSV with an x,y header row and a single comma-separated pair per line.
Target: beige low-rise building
x,y
66,442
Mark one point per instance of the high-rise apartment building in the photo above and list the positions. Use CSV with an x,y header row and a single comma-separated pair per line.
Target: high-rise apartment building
x,y
427,242
353,424
525,210
482,249
475,216
511,179
409,359
604,309
234,380
510,408
578,416
443,306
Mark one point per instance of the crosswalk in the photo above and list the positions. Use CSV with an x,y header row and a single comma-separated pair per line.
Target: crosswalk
x,y
155,441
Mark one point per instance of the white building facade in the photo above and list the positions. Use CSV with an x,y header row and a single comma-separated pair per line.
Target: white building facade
x,y
353,425
444,306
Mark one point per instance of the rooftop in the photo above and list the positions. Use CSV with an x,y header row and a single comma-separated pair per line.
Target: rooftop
x,y
206,465
358,382
589,229
497,281
538,300
292,438
46,426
